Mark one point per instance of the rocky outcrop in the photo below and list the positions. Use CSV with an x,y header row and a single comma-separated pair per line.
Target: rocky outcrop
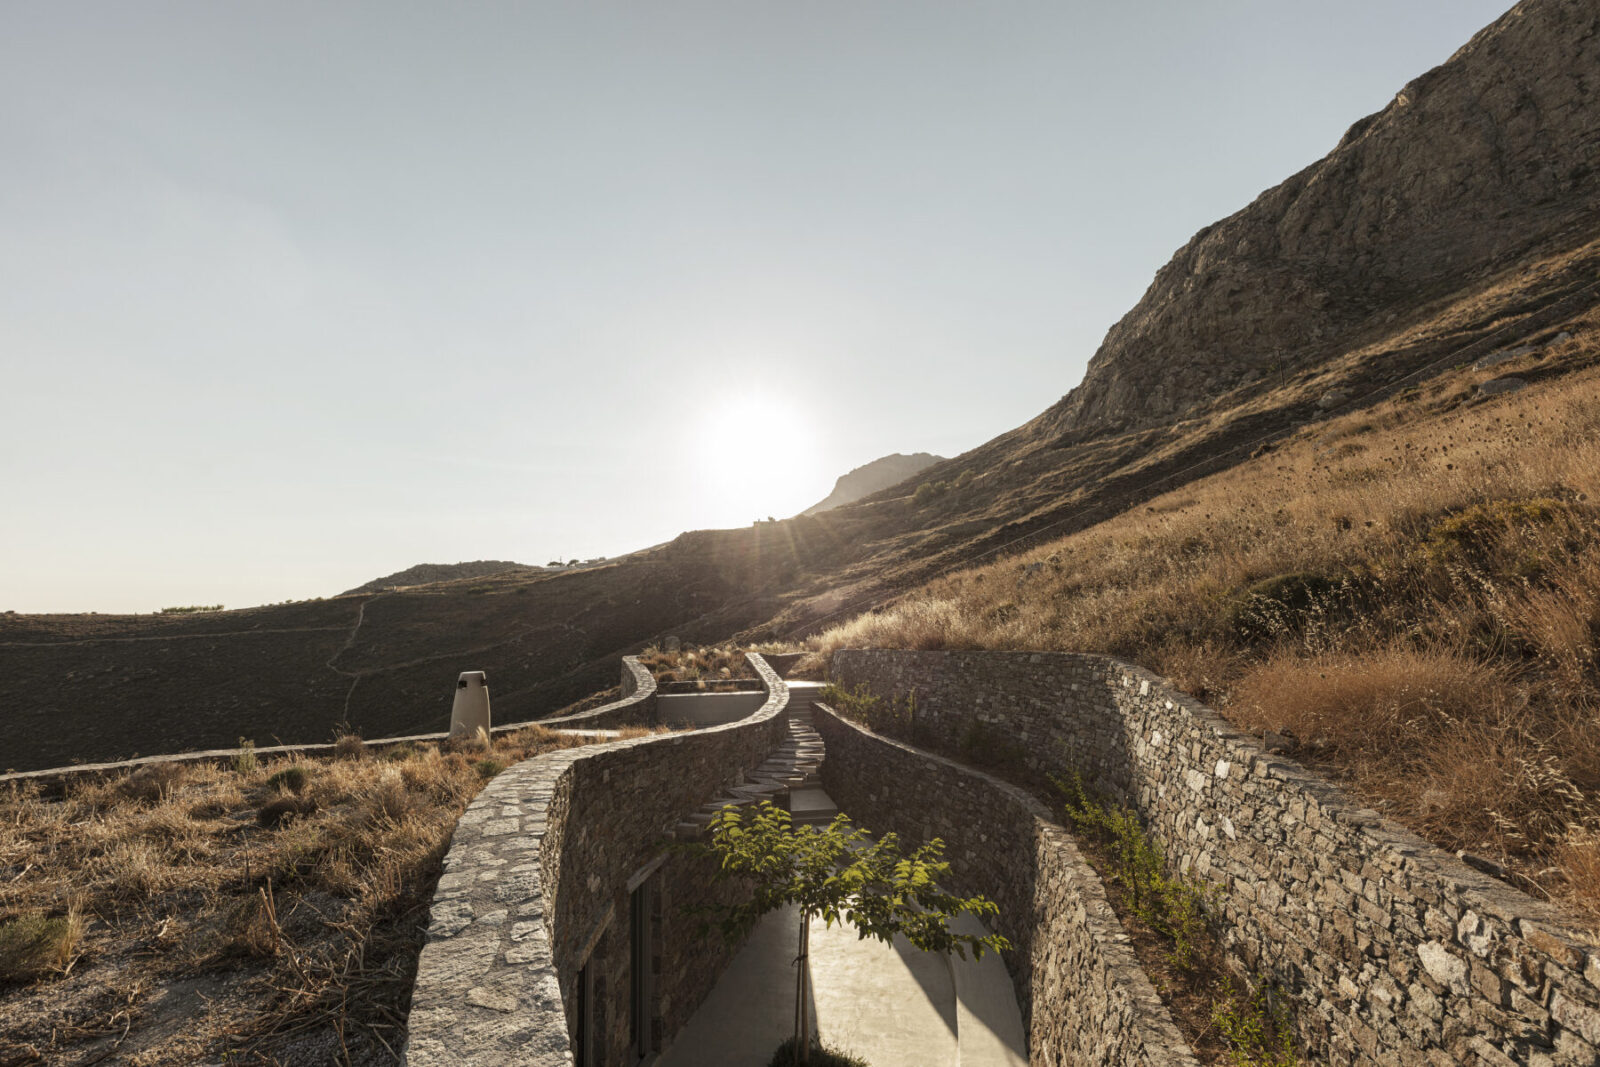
x,y
1488,156
874,477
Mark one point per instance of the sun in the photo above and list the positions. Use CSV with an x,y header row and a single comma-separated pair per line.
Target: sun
x,y
755,455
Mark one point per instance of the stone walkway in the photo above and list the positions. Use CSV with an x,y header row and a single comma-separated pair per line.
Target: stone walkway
x,y
892,1005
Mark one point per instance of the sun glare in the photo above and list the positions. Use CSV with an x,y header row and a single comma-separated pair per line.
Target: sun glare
x,y
756,456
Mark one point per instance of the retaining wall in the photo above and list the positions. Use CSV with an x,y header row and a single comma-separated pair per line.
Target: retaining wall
x,y
1084,997
705,709
537,884
1394,951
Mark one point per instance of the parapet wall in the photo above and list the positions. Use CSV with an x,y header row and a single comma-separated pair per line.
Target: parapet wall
x,y
636,708
538,883
1083,995
1394,951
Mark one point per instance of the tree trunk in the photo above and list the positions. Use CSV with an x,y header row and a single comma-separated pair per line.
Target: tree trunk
x,y
805,988
799,975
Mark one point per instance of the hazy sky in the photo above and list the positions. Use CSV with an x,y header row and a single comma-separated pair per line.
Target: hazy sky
x,y
294,295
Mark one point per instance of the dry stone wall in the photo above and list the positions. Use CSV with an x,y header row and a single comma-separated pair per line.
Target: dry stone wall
x,y
636,708
537,884
1083,995
1394,951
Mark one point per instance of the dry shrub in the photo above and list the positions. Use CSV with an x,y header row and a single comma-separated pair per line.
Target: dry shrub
x,y
153,783
1562,622
169,825
34,944
473,744
1381,706
349,746
390,799
133,867
281,809
689,664
628,733
1578,860
292,779
250,927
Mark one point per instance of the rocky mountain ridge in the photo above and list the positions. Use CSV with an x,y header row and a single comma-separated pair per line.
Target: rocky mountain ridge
x,y
1480,159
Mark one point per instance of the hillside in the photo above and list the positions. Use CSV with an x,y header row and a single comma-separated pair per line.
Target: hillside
x,y
883,473
1406,597
429,573
1461,220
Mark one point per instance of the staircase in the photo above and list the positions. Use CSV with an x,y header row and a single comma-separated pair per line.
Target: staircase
x,y
788,777
808,804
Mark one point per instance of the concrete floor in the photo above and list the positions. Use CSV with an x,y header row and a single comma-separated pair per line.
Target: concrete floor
x,y
893,1005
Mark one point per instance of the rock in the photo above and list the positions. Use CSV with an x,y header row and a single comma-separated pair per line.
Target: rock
x,y
1481,863
1500,385
1475,161
1496,358
671,644
1444,967
1333,398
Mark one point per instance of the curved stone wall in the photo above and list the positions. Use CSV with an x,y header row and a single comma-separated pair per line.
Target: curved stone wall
x,y
533,907
1395,951
1083,995
636,708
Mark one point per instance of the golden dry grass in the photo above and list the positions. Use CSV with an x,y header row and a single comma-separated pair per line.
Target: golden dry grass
x,y
160,912
1410,595
706,666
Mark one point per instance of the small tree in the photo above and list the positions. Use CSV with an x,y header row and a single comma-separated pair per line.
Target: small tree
x,y
843,875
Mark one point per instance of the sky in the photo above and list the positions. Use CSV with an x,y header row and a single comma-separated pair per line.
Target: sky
x,y
295,295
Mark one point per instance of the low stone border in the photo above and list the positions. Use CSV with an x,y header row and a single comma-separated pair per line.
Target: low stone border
x,y
1084,996
637,707
1393,951
537,877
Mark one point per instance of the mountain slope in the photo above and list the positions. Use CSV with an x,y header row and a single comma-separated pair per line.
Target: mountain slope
x,y
874,477
1480,160
427,573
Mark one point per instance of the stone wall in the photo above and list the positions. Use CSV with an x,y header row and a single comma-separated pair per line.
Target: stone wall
x,y
1393,951
636,708
537,884
705,709
1084,997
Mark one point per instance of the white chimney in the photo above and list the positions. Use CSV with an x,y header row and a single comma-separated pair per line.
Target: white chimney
x,y
470,712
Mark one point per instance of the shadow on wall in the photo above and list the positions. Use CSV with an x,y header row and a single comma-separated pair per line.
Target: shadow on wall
x,y
1385,942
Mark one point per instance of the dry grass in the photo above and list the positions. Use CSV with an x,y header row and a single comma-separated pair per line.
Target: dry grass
x,y
1410,595
187,913
706,666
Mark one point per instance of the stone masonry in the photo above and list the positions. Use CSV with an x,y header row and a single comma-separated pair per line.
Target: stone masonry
x,y
1084,997
1393,951
537,885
